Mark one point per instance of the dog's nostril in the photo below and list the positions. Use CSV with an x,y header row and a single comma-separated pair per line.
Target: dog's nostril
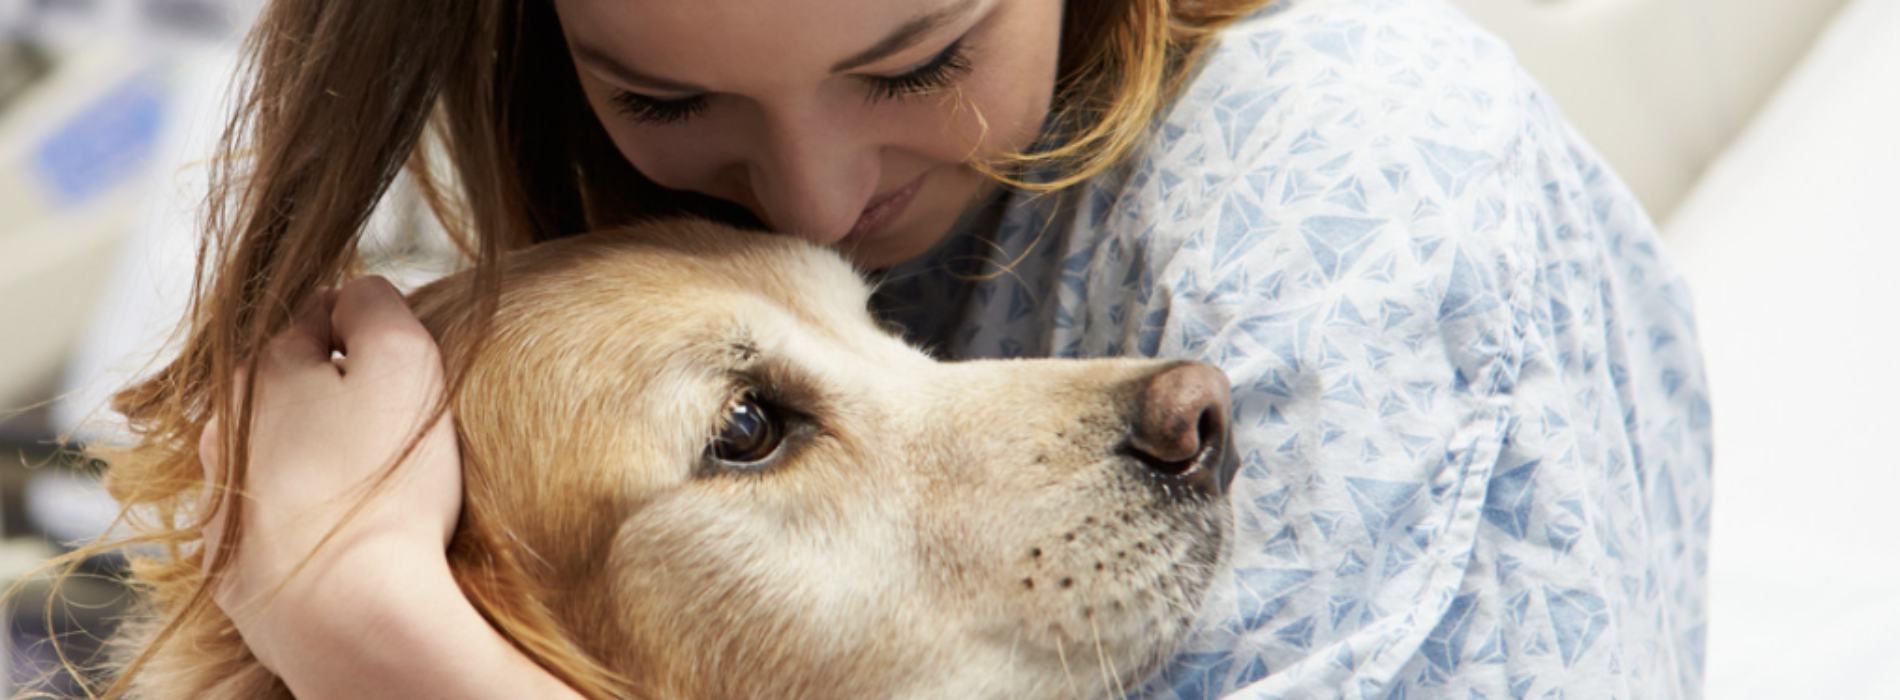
x,y
1181,430
1182,449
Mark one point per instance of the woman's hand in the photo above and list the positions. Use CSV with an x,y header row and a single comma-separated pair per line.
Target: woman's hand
x,y
326,431
374,611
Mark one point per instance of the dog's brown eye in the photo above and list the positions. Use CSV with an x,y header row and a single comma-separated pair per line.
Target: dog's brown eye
x,y
751,434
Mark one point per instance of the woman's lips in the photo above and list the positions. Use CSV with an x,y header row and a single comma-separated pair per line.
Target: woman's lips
x,y
882,211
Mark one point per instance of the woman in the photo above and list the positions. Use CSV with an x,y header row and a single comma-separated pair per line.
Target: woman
x,y
1466,386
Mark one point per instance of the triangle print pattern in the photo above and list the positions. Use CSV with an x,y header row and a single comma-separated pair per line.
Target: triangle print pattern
x,y
1472,413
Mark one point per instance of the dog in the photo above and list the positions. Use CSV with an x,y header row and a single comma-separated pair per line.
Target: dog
x,y
696,457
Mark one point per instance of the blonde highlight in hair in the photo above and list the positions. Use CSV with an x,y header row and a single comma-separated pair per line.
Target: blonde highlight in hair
x,y
1122,63
340,96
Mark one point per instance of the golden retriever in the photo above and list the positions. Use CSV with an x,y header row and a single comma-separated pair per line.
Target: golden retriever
x,y
697,457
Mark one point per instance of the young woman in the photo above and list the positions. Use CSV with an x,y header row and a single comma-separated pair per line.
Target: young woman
x,y
1466,384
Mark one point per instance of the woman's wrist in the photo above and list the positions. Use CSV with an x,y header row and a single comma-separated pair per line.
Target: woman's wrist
x,y
291,605
385,618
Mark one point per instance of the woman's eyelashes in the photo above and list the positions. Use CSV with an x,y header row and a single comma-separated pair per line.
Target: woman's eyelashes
x,y
655,111
942,71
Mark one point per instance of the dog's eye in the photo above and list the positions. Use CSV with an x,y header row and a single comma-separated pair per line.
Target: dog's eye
x,y
752,433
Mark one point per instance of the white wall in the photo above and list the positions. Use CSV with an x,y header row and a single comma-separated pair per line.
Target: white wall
x,y
1659,86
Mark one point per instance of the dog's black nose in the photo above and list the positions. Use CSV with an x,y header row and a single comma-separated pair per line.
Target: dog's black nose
x,y
1181,432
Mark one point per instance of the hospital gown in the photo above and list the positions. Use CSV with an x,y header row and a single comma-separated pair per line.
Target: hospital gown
x,y
1471,412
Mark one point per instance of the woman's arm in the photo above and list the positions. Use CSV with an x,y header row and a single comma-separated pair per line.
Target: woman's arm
x,y
374,613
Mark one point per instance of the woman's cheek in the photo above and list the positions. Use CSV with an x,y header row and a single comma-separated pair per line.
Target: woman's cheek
x,y
658,159
652,157
1012,113
983,117
679,156
1013,95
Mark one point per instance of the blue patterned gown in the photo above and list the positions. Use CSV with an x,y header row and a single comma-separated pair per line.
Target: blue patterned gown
x,y
1472,413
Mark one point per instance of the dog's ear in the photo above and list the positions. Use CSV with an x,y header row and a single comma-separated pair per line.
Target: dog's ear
x,y
487,564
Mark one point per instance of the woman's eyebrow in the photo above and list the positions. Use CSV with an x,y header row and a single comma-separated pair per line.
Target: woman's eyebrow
x,y
907,35
605,63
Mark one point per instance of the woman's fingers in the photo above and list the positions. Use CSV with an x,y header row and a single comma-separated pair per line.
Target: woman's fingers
x,y
309,339
376,331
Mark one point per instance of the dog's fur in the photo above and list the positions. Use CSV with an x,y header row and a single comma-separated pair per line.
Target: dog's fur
x,y
925,530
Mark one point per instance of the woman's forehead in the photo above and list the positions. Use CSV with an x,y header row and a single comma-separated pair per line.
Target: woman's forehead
x,y
674,37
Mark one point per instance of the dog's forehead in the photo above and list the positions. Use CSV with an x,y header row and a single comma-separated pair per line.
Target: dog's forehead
x,y
698,258
667,319
702,295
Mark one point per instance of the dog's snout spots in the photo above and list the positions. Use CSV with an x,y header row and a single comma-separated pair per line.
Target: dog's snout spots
x,y
1123,568
1180,431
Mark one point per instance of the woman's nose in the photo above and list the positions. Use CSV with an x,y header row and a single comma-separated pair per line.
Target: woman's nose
x,y
814,177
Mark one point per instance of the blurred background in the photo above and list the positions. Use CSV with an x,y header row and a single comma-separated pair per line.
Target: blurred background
x,y
1759,133
103,104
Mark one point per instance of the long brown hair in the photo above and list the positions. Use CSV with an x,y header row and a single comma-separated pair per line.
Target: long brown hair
x,y
339,96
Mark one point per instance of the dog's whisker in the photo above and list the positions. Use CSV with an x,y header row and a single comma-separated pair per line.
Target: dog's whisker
x,y
1111,677
1010,660
1068,674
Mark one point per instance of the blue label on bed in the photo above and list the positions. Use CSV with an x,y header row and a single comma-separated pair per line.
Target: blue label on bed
x,y
103,145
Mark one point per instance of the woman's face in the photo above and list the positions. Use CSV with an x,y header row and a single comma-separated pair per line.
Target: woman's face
x,y
849,123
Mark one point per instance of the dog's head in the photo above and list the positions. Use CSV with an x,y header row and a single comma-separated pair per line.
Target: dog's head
x,y
728,482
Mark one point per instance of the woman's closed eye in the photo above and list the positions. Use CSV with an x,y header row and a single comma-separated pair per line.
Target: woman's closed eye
x,y
942,71
656,111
